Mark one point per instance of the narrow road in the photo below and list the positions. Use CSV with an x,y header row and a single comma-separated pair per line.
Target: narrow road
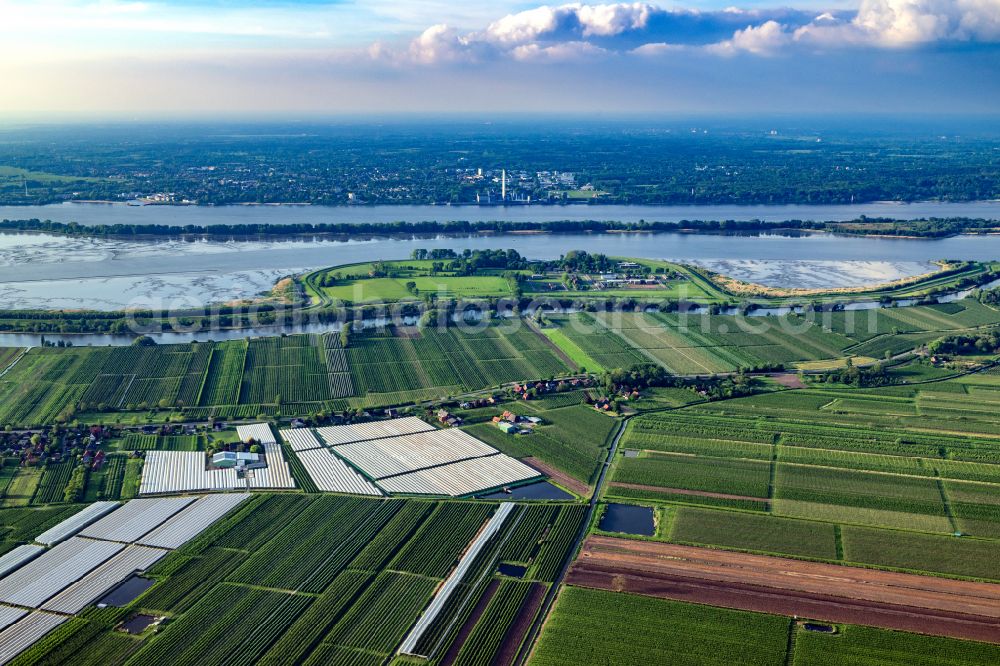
x,y
529,640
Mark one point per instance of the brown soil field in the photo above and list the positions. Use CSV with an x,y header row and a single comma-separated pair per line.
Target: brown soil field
x,y
560,477
820,591
452,654
515,635
789,380
682,491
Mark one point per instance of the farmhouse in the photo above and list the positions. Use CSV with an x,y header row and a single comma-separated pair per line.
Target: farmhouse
x,y
235,459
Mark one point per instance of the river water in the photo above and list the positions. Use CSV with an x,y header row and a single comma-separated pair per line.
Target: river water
x,y
39,271
91,213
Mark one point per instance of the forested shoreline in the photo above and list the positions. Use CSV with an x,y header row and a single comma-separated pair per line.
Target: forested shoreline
x,y
862,226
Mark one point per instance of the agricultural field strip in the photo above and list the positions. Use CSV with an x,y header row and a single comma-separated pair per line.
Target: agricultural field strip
x,y
359,432
461,478
56,569
935,466
301,439
331,474
136,519
382,458
9,615
19,636
184,471
77,596
887,587
802,431
454,580
261,432
18,556
76,522
75,572
192,520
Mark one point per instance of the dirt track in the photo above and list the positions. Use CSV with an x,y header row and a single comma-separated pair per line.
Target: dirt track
x,y
790,587
560,477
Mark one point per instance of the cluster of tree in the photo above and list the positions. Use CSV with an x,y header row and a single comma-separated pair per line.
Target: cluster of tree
x,y
874,376
989,296
924,228
644,376
77,484
982,343
469,261
580,261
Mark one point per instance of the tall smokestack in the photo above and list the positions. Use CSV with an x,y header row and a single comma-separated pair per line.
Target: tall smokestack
x,y
503,185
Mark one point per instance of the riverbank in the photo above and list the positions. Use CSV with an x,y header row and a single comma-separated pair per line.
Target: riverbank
x,y
916,228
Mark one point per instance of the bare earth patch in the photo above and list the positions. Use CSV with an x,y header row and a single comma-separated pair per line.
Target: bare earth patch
x,y
788,380
815,590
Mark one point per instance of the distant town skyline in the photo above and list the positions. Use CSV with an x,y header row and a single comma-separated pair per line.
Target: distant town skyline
x,y
182,58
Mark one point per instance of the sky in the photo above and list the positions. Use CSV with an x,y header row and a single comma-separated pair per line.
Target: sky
x,y
279,58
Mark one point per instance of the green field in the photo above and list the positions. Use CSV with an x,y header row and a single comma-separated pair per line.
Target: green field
x,y
574,439
866,646
582,359
292,374
768,534
322,577
600,627
390,369
732,477
379,290
852,479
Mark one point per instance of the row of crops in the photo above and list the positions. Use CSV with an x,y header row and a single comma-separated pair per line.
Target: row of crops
x,y
21,524
448,360
691,344
826,473
49,384
603,627
333,579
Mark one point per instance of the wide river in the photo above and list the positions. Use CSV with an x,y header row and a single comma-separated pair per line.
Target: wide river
x,y
42,271
90,213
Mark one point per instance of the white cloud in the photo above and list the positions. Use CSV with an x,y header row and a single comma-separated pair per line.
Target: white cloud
x,y
764,39
908,23
563,52
438,43
577,30
573,19
383,30
657,49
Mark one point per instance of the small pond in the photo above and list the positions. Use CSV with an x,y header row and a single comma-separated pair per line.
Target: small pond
x,y
137,624
821,628
628,519
512,570
543,490
125,593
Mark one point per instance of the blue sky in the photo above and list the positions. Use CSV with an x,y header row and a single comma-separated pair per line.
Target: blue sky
x,y
170,58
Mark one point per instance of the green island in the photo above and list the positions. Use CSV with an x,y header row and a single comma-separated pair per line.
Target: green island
x,y
496,282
